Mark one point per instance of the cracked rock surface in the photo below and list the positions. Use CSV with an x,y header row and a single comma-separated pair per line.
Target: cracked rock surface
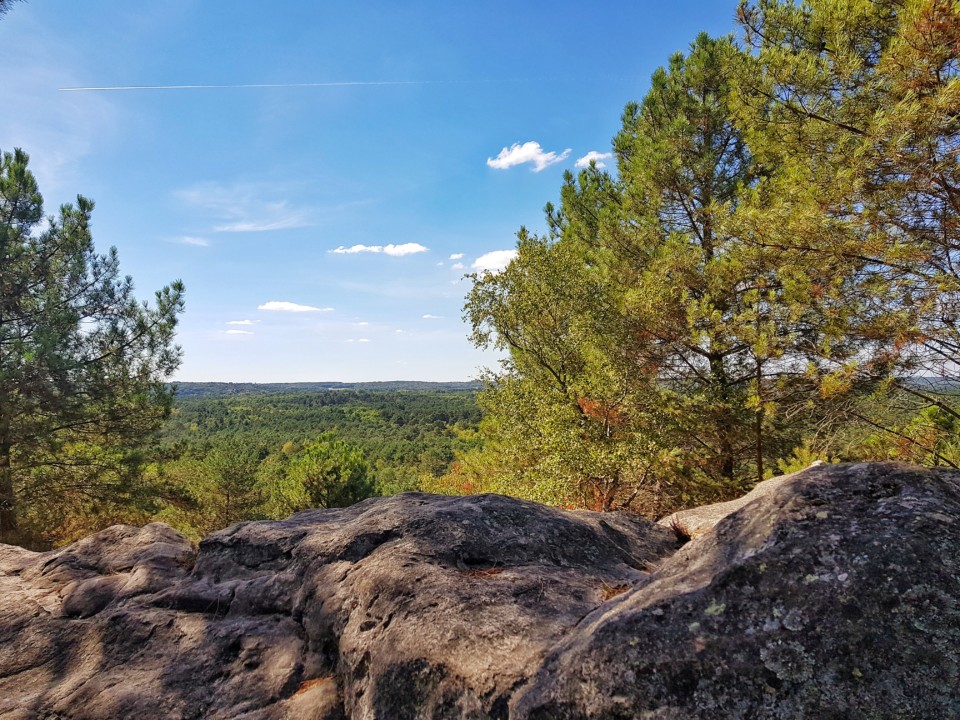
x,y
833,594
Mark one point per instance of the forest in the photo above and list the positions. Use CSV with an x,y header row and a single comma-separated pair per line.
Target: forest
x,y
222,458
770,275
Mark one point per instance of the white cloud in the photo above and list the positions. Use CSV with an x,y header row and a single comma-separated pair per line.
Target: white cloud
x,y
241,207
394,250
404,249
353,249
456,256
457,266
239,322
237,332
428,316
190,240
495,261
529,152
362,323
284,306
398,330
363,340
596,157
440,264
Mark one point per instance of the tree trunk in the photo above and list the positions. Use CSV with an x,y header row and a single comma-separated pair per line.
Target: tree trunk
x,y
8,499
759,423
727,459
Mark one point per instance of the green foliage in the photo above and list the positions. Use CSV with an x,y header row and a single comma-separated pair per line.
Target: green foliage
x,y
82,361
803,457
855,109
407,431
230,490
771,270
770,277
332,473
225,456
643,333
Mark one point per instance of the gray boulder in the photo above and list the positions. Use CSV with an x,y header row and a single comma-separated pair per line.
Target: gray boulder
x,y
833,593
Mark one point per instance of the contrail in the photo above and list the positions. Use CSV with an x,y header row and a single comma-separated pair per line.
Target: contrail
x,y
264,85
348,83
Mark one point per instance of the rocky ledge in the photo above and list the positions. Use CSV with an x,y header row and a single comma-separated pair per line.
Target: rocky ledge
x,y
832,593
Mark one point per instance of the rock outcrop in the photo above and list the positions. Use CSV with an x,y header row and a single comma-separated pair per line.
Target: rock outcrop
x,y
834,593
694,522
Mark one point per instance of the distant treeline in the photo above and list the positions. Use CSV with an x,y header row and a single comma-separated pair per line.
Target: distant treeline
x,y
207,389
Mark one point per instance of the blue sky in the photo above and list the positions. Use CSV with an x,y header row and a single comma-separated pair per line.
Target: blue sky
x,y
323,232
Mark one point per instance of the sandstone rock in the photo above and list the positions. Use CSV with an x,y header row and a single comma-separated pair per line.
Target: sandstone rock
x,y
698,521
832,594
398,607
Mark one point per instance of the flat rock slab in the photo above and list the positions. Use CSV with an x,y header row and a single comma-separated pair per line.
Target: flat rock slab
x,y
834,594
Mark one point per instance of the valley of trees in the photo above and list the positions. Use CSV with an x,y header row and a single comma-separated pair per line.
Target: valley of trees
x,y
223,457
770,275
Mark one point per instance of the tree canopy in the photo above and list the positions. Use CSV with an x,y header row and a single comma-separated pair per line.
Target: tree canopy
x,y
857,106
83,362
769,274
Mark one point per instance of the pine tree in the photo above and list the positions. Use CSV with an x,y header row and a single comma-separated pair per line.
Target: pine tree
x,y
5,5
83,363
655,331
332,473
855,108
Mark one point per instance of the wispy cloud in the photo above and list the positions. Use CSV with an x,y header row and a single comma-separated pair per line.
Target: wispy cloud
x,y
293,221
593,156
457,266
237,332
54,129
456,256
284,306
357,340
495,261
191,240
428,316
242,207
394,250
528,152
239,322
